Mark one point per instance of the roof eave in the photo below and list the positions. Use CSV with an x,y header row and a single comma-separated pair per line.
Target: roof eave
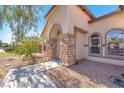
x,y
104,16
50,10
83,7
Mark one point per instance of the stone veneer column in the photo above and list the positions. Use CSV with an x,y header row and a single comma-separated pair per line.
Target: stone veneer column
x,y
51,50
67,49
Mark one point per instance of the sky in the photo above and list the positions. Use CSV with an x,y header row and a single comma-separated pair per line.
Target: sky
x,y
97,10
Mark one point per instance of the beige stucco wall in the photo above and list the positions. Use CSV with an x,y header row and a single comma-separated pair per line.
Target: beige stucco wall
x,y
70,16
80,19
107,24
103,26
80,53
58,17
77,17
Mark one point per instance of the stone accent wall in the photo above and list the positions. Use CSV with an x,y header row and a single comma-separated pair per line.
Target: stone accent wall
x,y
67,49
50,53
51,49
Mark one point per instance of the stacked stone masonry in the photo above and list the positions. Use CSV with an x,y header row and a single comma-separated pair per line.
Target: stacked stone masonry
x,y
67,50
50,53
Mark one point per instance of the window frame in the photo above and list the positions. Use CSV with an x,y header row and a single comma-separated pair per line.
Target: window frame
x,y
106,47
100,45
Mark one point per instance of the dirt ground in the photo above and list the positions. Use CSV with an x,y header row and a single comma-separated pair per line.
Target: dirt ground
x,y
10,62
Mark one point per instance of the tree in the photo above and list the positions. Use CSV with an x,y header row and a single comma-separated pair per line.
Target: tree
x,y
21,19
0,44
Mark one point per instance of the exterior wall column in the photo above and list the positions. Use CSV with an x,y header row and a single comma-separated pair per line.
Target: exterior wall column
x,y
67,49
51,49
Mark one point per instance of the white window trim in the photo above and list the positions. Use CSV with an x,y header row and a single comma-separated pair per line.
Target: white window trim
x,y
100,45
112,56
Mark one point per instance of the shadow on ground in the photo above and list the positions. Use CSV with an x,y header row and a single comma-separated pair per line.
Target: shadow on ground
x,y
85,74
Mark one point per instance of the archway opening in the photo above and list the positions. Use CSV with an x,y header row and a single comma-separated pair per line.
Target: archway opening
x,y
55,34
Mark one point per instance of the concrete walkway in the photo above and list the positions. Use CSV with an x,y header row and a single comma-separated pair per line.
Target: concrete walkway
x,y
30,77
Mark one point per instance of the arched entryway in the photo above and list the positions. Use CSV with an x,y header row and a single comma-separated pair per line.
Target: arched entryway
x,y
55,33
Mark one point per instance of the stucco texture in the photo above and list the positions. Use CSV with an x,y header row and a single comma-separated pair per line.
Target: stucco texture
x,y
69,16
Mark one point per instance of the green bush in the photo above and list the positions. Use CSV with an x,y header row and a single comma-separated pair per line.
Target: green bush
x,y
27,47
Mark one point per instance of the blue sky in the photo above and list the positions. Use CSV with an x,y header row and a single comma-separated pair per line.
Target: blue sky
x,y
97,10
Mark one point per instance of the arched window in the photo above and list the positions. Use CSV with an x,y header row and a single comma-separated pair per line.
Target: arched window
x,y
115,43
95,44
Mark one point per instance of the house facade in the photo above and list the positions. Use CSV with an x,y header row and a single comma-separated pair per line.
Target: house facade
x,y
77,34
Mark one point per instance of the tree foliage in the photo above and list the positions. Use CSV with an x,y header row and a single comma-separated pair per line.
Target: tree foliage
x,y
0,44
20,18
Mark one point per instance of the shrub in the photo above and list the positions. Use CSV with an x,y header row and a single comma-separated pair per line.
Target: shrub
x,y
27,47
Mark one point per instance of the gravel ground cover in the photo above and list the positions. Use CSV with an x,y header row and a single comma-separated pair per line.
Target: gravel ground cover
x,y
84,75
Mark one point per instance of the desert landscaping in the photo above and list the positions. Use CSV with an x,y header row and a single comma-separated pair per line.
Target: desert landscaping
x,y
85,74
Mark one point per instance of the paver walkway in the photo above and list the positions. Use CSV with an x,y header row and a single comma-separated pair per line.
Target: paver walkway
x,y
30,77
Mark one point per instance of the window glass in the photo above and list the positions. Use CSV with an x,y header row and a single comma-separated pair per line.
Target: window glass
x,y
115,43
95,41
